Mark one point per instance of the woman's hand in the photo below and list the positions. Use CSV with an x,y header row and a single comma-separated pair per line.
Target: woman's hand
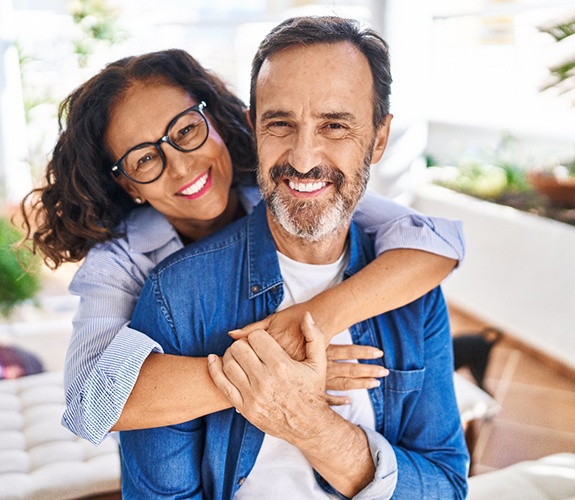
x,y
344,375
284,327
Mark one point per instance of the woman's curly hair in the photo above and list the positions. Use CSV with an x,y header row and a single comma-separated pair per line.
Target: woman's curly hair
x,y
80,204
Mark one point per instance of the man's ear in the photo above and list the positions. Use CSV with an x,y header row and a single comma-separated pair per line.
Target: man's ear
x,y
249,118
381,137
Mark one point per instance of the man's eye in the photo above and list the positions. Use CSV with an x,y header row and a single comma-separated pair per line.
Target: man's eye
x,y
335,130
279,128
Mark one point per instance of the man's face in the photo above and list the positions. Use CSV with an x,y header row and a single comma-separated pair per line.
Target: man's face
x,y
315,136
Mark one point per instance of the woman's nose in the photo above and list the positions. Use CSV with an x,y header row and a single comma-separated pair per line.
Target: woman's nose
x,y
178,163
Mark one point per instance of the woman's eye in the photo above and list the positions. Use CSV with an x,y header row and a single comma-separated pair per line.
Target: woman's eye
x,y
144,159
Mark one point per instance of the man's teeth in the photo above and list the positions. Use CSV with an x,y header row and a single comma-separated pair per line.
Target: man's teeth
x,y
196,186
306,187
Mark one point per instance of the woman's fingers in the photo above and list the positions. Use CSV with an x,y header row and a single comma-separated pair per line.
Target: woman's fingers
x,y
337,400
342,369
344,376
351,351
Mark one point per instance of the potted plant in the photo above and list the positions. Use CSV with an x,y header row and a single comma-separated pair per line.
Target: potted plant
x,y
557,181
19,270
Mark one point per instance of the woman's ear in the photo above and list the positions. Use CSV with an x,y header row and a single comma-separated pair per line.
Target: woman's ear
x,y
131,189
381,137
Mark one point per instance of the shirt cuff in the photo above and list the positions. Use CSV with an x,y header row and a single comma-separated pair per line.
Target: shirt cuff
x,y
98,406
385,479
431,234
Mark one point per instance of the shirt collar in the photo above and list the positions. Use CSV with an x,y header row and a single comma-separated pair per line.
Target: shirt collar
x,y
148,230
264,271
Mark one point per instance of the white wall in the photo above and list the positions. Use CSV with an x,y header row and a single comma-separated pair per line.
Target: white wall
x,y
518,273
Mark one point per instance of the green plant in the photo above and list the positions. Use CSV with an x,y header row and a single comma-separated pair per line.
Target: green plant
x,y
98,23
562,74
19,270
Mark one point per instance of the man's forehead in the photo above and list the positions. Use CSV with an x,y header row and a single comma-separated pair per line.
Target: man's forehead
x,y
321,78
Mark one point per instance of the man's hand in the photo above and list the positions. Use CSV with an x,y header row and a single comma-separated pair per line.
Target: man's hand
x,y
280,396
286,399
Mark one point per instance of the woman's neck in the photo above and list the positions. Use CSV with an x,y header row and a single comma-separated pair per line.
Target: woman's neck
x,y
192,229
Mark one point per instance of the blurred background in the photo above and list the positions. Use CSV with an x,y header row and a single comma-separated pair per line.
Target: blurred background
x,y
484,131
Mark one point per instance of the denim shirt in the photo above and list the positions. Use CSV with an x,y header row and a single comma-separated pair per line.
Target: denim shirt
x,y
190,302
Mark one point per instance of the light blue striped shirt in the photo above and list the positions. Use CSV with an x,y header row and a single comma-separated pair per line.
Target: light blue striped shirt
x,y
105,355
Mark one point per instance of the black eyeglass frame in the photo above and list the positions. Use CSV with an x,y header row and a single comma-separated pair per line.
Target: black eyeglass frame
x,y
118,168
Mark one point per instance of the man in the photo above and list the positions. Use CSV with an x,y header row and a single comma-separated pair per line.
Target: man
x,y
320,111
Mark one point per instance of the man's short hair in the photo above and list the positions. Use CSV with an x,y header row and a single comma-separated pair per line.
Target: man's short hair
x,y
310,30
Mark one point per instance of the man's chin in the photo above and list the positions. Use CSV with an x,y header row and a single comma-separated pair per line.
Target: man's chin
x,y
309,221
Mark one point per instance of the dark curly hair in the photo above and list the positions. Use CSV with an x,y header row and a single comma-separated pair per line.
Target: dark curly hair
x,y
80,204
309,30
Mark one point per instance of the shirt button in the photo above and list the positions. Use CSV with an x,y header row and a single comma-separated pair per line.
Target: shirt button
x,y
275,288
255,288
241,481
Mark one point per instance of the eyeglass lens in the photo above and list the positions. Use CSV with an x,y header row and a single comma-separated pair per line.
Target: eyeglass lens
x,y
146,162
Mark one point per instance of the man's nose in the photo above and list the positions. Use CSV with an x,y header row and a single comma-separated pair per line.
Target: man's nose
x,y
306,151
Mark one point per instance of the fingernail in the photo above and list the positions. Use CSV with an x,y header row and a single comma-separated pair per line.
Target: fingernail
x,y
211,358
310,318
377,353
231,332
383,372
374,383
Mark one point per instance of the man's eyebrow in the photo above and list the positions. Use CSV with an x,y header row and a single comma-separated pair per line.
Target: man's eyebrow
x,y
341,115
273,114
334,115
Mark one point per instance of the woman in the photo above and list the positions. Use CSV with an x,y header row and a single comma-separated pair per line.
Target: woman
x,y
107,162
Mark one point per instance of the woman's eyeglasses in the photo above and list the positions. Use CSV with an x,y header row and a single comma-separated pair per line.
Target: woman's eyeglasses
x,y
146,162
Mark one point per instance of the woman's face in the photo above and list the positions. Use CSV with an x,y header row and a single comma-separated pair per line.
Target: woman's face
x,y
194,187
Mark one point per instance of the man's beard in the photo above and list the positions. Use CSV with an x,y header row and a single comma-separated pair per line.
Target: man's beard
x,y
314,220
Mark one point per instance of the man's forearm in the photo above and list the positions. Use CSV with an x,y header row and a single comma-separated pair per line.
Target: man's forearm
x,y
339,451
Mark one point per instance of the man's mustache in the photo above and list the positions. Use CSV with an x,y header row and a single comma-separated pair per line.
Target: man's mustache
x,y
325,173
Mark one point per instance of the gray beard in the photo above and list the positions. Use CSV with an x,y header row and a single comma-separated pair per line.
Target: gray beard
x,y
315,221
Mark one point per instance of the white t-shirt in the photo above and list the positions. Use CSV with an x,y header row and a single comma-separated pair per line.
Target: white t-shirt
x,y
281,471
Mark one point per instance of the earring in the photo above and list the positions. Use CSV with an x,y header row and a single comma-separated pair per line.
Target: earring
x,y
138,200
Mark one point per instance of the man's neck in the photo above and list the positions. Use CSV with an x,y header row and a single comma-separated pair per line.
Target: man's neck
x,y
325,251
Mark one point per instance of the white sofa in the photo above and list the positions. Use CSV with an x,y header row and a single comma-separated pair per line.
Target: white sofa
x,y
40,459
549,478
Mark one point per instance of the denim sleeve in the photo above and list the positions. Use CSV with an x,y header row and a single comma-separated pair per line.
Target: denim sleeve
x,y
432,457
396,226
169,464
104,355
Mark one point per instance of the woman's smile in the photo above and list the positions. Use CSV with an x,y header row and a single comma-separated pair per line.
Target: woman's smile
x,y
198,186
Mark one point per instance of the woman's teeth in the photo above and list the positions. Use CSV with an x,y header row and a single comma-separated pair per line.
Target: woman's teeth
x,y
196,186
306,187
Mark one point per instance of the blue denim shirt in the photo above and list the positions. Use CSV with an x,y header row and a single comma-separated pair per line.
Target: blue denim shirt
x,y
415,408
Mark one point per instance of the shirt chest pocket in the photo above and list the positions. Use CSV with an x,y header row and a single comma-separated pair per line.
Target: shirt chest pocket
x,y
401,392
